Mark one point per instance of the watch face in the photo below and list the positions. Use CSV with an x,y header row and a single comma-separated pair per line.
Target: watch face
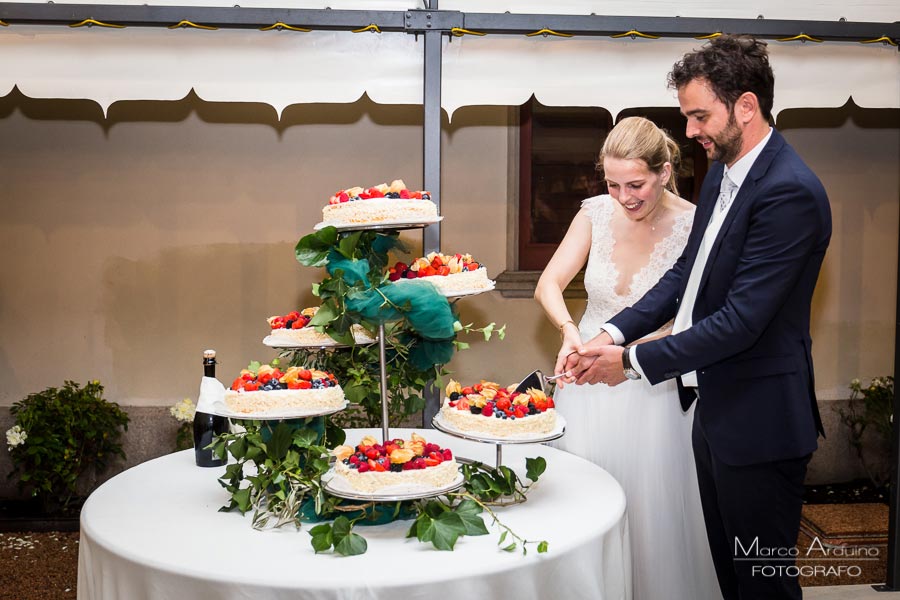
x,y
632,374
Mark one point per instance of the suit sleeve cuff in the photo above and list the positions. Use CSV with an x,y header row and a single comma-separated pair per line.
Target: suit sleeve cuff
x,y
614,332
634,360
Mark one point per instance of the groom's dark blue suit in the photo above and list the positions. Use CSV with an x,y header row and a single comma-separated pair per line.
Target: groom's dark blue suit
x,y
750,345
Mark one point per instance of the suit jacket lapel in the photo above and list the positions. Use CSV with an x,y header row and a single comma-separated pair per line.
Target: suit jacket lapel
x,y
742,200
705,206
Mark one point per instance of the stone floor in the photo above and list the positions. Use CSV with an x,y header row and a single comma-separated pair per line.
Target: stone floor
x,y
846,592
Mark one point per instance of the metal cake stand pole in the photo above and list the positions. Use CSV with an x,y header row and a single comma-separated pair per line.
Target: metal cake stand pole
x,y
499,455
384,397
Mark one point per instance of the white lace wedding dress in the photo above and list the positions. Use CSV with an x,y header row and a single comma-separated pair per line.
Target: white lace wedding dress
x,y
640,434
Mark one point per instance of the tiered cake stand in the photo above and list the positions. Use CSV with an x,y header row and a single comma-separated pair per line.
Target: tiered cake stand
x,y
335,485
499,442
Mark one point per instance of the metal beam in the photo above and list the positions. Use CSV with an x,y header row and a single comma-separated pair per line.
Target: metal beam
x,y
678,27
221,17
432,19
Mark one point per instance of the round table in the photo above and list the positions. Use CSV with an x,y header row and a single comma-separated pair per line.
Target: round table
x,y
153,532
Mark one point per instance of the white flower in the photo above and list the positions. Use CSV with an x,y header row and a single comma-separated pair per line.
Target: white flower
x,y
183,411
15,436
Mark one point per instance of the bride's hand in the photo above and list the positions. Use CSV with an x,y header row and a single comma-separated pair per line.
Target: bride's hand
x,y
570,345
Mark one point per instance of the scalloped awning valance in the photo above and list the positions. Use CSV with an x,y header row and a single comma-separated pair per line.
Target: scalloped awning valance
x,y
281,68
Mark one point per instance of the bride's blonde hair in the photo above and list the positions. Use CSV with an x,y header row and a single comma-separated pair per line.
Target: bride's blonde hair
x,y
640,138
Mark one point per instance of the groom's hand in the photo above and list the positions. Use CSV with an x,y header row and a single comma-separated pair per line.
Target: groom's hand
x,y
600,365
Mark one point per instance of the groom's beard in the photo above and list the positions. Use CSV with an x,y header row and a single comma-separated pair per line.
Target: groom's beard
x,y
727,144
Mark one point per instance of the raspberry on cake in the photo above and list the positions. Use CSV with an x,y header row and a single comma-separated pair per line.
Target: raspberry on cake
x,y
488,409
270,390
372,466
379,204
293,331
452,274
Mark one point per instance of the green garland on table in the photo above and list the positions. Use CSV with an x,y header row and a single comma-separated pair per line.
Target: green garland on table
x,y
284,487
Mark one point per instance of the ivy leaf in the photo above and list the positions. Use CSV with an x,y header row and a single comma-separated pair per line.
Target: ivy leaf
x,y
280,442
469,512
474,524
321,537
414,529
347,246
340,529
305,437
542,547
326,314
351,545
502,537
238,448
333,433
509,548
468,507
312,250
242,499
443,531
355,393
535,467
509,477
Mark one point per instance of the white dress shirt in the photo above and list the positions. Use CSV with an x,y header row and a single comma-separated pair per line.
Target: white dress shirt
x,y
736,174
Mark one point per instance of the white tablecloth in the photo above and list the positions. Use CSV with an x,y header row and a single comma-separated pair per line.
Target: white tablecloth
x,y
154,532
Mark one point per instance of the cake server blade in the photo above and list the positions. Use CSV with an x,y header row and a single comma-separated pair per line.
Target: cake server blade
x,y
535,380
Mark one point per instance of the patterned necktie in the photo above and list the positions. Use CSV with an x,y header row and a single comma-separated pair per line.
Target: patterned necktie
x,y
725,192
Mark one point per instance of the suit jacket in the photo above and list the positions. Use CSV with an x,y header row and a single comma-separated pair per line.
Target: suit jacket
x,y
749,342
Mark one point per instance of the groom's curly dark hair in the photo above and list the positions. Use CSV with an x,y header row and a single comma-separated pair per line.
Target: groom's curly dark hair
x,y
733,65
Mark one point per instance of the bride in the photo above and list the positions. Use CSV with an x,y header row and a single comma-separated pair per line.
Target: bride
x,y
637,432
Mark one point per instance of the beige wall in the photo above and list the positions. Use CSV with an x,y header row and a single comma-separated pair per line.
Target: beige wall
x,y
133,243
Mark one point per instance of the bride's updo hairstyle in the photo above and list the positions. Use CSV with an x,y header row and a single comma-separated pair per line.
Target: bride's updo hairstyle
x,y
639,138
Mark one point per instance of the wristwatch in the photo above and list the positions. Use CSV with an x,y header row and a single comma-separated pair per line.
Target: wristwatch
x,y
630,371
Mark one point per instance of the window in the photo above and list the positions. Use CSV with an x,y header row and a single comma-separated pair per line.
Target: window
x,y
558,150
557,170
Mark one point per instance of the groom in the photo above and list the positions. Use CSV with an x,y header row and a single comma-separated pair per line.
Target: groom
x,y
740,295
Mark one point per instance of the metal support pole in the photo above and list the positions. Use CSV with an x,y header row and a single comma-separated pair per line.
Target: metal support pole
x,y
892,582
385,414
431,237
431,241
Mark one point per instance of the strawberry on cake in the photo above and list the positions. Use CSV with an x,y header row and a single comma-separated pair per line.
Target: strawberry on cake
x,y
268,389
293,331
372,466
383,203
488,409
451,274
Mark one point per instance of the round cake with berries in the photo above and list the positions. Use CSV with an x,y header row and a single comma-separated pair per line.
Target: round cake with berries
x,y
293,331
451,274
371,466
488,409
383,203
265,389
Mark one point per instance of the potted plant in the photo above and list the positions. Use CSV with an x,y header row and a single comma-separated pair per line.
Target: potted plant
x,y
60,436
869,418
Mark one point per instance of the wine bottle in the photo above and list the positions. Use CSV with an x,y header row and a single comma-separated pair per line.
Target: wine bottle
x,y
207,426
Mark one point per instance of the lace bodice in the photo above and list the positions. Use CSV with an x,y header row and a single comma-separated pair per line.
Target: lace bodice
x,y
601,275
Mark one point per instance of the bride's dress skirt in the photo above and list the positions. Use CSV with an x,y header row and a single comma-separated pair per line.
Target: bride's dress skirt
x,y
641,436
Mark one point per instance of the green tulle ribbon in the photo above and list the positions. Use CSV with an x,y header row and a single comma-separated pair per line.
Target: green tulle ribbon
x,y
426,310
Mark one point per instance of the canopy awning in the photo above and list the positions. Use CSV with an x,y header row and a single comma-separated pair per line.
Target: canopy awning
x,y
285,67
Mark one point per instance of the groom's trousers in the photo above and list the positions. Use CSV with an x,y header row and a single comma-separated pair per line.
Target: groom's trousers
x,y
752,516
